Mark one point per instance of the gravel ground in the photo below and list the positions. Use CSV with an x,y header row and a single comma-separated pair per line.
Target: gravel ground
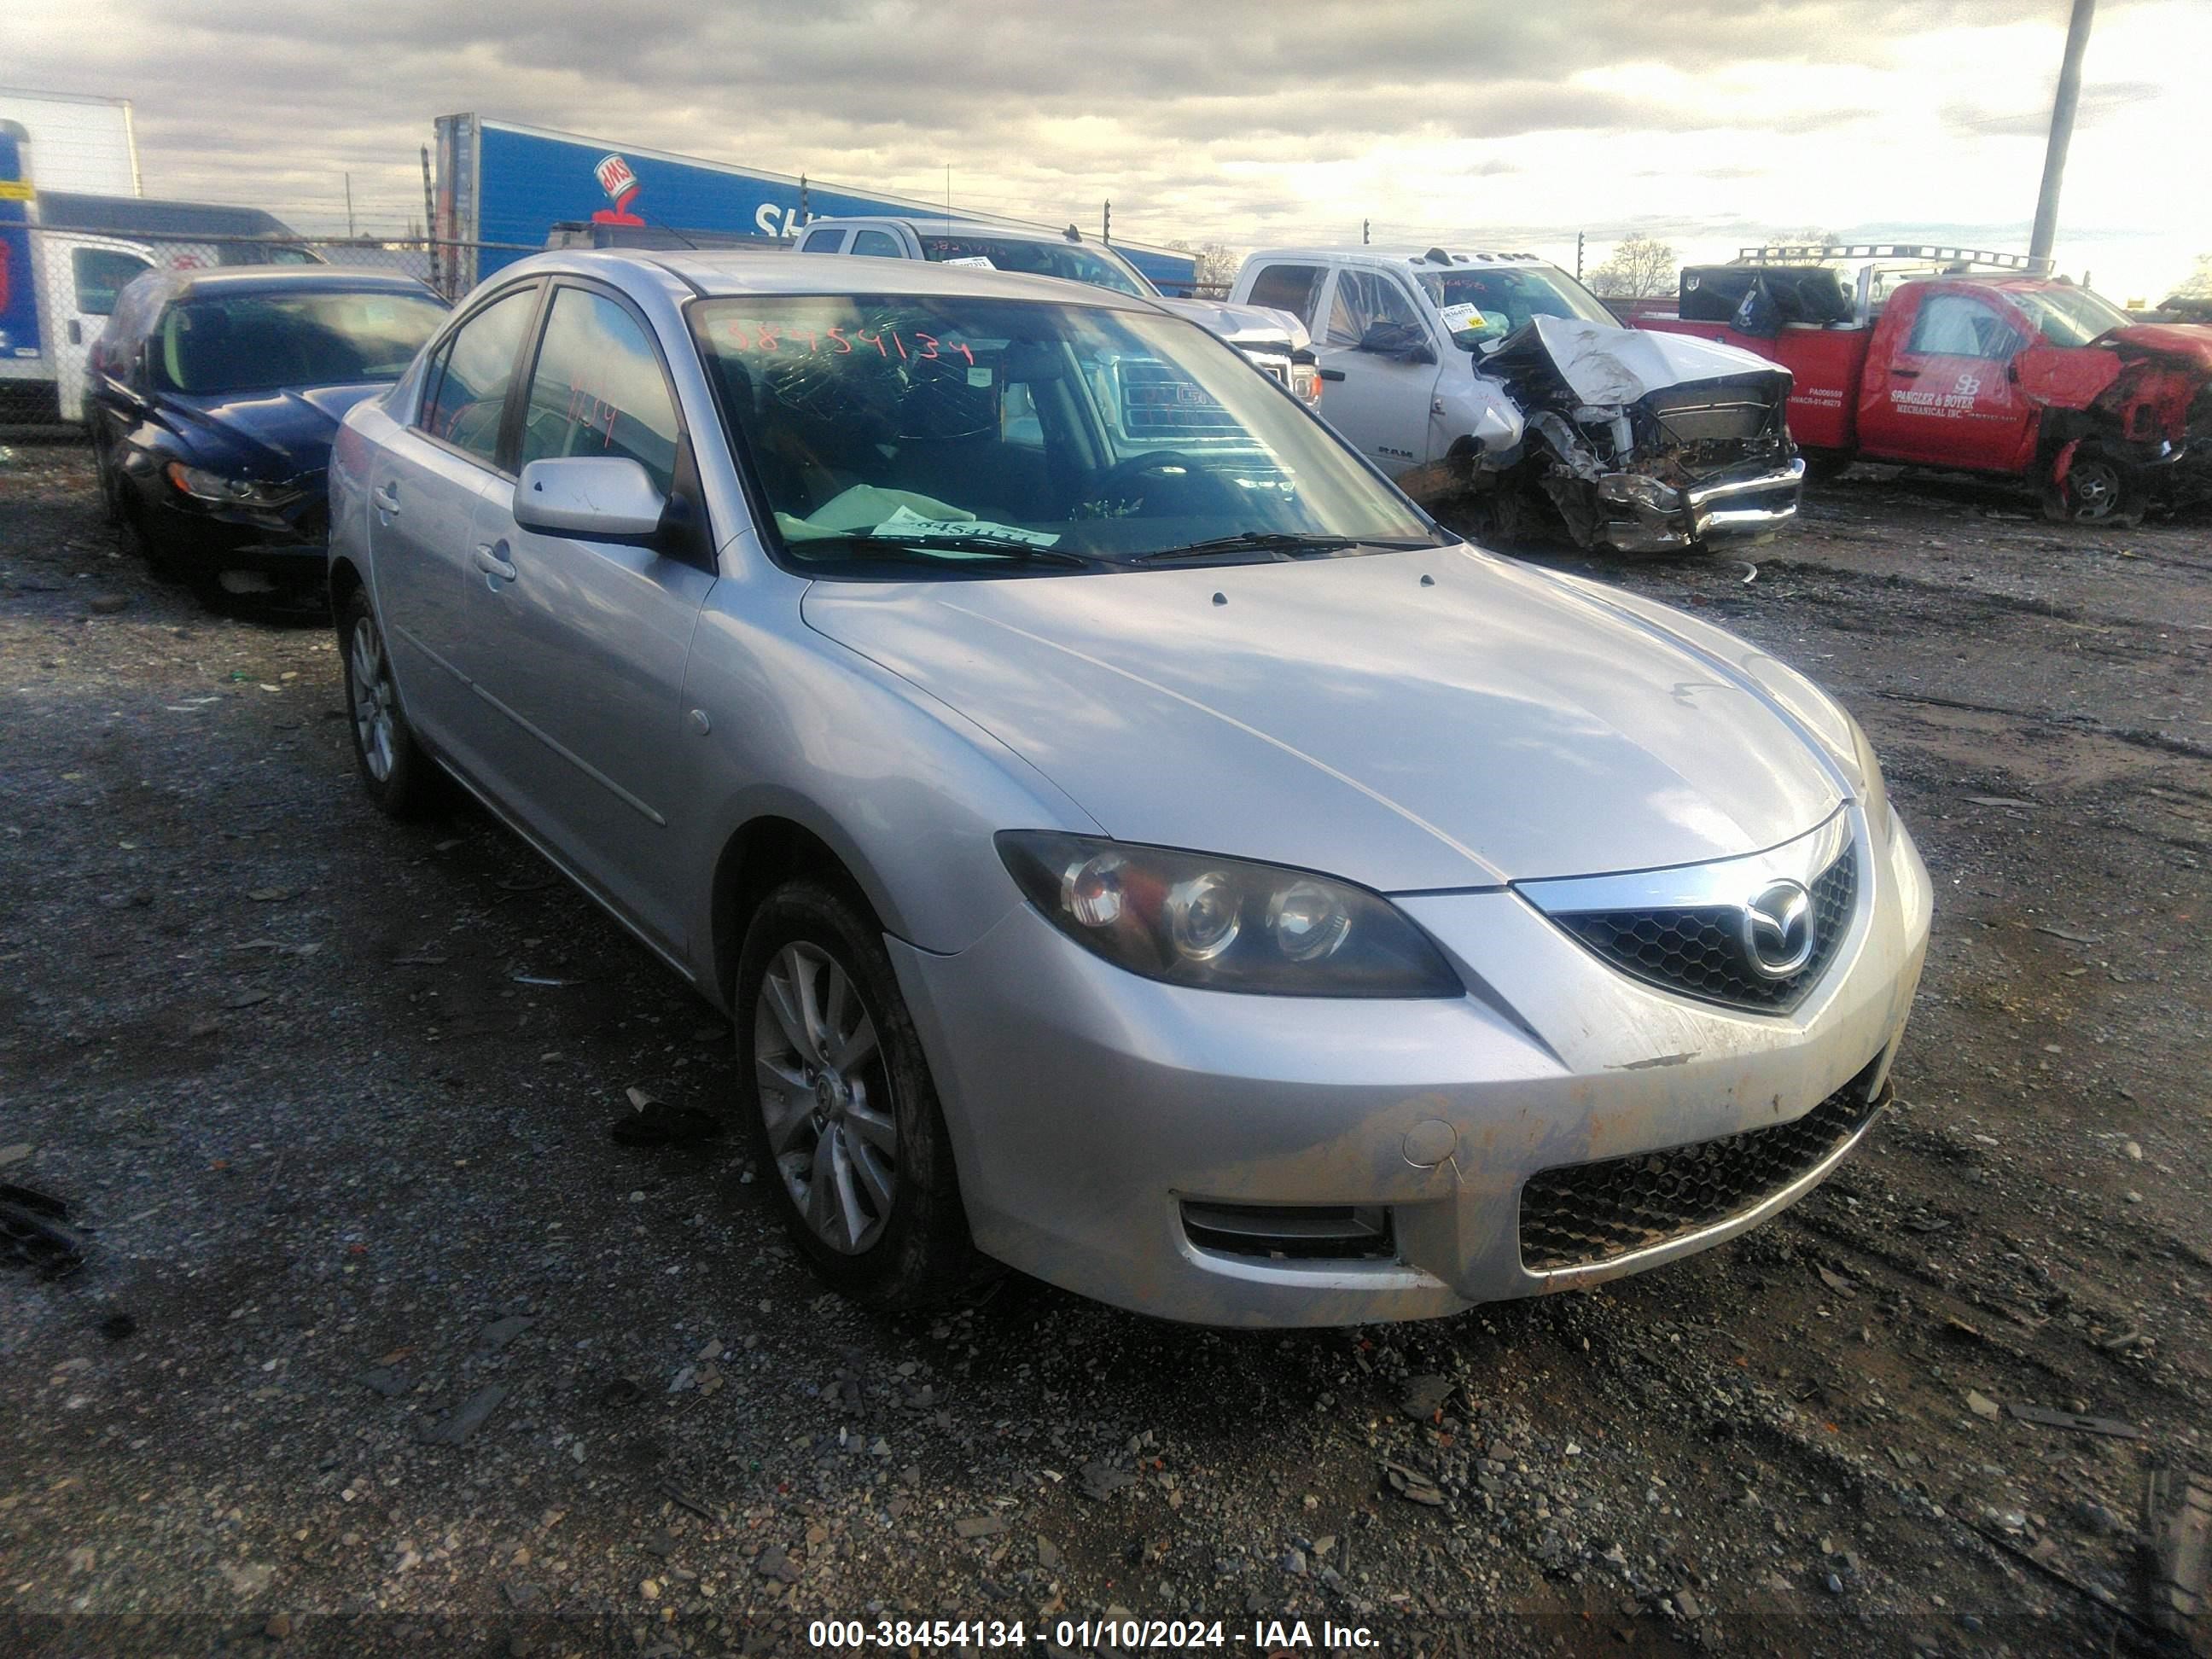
x,y
381,1344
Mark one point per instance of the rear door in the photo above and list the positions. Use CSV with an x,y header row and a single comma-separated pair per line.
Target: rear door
x,y
1377,400
1943,393
426,483
581,646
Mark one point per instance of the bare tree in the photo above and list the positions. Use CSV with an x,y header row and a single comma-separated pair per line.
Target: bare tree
x,y
1641,266
1805,239
1217,261
2198,285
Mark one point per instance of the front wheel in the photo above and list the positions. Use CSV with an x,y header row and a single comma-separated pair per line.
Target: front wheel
x,y
2099,488
395,771
845,1120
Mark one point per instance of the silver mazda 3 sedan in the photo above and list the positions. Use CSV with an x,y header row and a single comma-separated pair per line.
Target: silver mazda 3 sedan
x,y
1134,843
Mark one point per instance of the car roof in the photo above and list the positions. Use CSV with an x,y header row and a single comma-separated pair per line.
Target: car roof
x,y
295,279
713,273
932,224
1369,254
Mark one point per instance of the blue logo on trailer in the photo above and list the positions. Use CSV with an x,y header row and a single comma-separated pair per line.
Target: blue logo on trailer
x,y
528,182
19,293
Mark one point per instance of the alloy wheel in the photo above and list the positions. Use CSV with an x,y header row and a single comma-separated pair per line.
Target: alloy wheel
x,y
825,1097
375,722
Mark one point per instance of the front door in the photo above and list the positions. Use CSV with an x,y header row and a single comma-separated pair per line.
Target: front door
x,y
1377,399
1945,396
97,271
581,646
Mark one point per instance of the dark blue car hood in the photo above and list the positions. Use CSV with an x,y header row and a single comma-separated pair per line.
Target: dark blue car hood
x,y
274,435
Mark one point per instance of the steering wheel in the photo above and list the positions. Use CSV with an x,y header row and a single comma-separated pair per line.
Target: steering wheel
x,y
1182,473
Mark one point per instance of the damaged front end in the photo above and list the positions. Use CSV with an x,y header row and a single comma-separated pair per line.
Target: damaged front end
x,y
1649,443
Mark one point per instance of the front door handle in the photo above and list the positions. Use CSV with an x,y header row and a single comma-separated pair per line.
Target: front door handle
x,y
386,497
488,560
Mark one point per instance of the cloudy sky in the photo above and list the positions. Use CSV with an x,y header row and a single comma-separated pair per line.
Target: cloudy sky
x,y
1710,122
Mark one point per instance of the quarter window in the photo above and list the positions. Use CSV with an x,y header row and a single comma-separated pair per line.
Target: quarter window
x,y
598,389
822,241
468,392
1294,288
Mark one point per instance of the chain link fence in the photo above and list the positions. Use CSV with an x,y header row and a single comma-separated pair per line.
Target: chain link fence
x,y
73,275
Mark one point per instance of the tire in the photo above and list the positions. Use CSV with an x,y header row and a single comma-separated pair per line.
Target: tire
x,y
2100,489
111,481
844,1119
1825,467
398,776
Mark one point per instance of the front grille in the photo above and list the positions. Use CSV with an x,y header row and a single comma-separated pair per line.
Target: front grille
x,y
1584,1214
1269,1232
1156,402
1698,952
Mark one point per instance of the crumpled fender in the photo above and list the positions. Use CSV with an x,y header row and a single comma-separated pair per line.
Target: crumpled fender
x,y
2065,377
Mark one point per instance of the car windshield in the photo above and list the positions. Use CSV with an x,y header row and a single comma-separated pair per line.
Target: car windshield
x,y
2069,316
1488,302
257,342
1070,261
906,434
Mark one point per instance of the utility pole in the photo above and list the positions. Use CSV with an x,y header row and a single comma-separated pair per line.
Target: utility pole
x,y
430,224
1578,255
1363,233
802,199
2061,134
1106,223
349,184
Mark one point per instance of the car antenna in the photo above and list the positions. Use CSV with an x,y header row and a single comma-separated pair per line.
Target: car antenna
x,y
672,231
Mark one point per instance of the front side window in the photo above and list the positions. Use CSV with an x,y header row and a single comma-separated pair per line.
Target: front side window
x,y
101,273
1069,261
598,389
1364,299
901,434
468,391
1294,288
1960,326
877,244
225,343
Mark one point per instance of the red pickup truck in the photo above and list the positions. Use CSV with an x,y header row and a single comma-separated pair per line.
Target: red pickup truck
x,y
1982,367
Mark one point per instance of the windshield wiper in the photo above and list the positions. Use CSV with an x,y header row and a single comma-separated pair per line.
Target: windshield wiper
x,y
1283,544
1019,552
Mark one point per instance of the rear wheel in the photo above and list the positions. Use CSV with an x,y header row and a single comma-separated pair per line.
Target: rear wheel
x,y
845,1120
399,777
2099,488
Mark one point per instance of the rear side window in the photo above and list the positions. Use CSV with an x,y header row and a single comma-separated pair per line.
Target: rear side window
x,y
1294,288
468,390
101,274
880,244
822,242
598,389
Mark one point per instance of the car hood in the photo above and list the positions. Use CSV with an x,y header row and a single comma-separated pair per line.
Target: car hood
x,y
282,433
1242,326
2189,344
1605,365
1347,715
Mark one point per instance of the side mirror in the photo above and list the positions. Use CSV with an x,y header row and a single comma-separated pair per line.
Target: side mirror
x,y
1401,340
605,498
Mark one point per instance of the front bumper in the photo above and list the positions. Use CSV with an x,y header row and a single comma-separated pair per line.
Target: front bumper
x,y
290,544
1742,507
1093,1114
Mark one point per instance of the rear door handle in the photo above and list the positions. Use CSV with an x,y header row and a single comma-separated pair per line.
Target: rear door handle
x,y
386,497
488,560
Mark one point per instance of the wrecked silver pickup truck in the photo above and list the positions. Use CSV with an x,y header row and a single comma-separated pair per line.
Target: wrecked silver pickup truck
x,y
1497,381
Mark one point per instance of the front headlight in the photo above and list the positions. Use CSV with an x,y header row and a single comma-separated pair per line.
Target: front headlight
x,y
1874,788
213,487
1224,924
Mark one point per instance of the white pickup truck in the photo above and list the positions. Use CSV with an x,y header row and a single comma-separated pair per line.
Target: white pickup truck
x,y
1498,380
1277,342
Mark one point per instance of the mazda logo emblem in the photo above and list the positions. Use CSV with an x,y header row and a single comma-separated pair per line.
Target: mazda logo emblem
x,y
1777,930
